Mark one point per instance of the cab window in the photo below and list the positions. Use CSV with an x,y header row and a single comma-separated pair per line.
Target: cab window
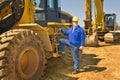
x,y
50,4
40,16
40,4
59,5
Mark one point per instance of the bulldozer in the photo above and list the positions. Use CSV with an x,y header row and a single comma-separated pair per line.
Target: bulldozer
x,y
103,27
29,35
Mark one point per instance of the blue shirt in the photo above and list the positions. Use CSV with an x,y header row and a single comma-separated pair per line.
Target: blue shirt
x,y
76,37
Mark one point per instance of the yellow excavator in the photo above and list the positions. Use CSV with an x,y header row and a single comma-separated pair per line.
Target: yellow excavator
x,y
103,27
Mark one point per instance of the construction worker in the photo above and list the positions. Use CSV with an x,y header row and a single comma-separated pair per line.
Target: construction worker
x,y
75,41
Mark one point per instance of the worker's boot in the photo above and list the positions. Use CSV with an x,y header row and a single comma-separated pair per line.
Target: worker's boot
x,y
75,71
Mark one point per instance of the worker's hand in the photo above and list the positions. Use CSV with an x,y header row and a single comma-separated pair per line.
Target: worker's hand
x,y
81,47
60,28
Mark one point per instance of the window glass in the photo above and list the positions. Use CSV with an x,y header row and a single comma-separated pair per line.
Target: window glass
x,y
40,16
50,4
59,4
40,4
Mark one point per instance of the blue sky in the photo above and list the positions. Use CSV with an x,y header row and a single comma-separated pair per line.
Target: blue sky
x,y
76,8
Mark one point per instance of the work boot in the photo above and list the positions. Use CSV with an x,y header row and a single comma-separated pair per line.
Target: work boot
x,y
75,71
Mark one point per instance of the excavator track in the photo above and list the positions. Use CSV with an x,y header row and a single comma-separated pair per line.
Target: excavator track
x,y
22,56
112,37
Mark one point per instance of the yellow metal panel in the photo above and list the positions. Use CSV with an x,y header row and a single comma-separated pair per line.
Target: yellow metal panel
x,y
28,14
42,32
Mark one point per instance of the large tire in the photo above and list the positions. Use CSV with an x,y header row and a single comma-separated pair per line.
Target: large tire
x,y
67,58
21,55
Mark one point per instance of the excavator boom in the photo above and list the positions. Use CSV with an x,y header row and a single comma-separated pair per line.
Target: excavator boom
x,y
101,25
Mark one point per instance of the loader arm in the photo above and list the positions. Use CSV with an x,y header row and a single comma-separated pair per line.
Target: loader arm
x,y
10,13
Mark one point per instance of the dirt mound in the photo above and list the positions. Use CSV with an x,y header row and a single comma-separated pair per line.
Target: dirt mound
x,y
97,63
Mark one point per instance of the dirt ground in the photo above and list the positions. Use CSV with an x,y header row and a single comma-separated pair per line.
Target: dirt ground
x,y
97,63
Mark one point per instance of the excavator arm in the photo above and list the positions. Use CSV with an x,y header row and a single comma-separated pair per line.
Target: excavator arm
x,y
99,15
98,22
88,13
91,35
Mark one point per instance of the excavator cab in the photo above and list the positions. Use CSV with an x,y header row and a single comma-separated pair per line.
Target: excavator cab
x,y
47,11
110,20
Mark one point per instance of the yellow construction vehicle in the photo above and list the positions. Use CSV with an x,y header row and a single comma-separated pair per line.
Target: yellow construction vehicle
x,y
29,34
102,27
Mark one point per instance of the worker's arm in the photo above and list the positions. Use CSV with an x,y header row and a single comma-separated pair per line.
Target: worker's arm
x,y
65,32
82,39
